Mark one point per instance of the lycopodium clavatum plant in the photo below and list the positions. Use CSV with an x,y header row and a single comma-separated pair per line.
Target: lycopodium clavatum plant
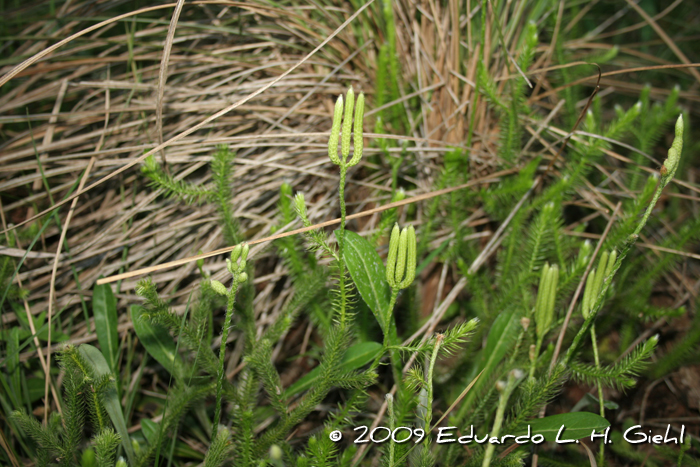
x,y
364,233
224,376
524,334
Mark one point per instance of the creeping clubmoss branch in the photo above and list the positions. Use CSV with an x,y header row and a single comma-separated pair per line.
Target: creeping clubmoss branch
x,y
191,193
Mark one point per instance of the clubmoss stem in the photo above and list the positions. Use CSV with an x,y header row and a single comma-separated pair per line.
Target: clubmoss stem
x,y
505,390
601,401
222,355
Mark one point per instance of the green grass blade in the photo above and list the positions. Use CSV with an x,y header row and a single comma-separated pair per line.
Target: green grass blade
x,y
111,399
157,341
500,340
104,309
357,356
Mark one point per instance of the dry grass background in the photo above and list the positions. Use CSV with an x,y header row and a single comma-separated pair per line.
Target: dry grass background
x,y
91,116
99,102
105,108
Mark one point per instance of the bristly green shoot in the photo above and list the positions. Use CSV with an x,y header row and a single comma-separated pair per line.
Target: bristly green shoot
x,y
191,193
674,154
84,399
236,266
620,375
667,172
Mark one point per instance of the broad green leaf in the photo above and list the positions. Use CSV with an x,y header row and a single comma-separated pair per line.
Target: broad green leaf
x,y
157,341
104,309
501,332
35,388
111,399
182,449
40,325
589,400
88,459
150,430
501,337
38,322
368,273
357,356
576,425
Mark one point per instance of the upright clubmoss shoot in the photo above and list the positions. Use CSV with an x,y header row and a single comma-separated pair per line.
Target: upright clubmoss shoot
x,y
344,110
674,154
400,272
236,266
594,285
544,310
667,171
